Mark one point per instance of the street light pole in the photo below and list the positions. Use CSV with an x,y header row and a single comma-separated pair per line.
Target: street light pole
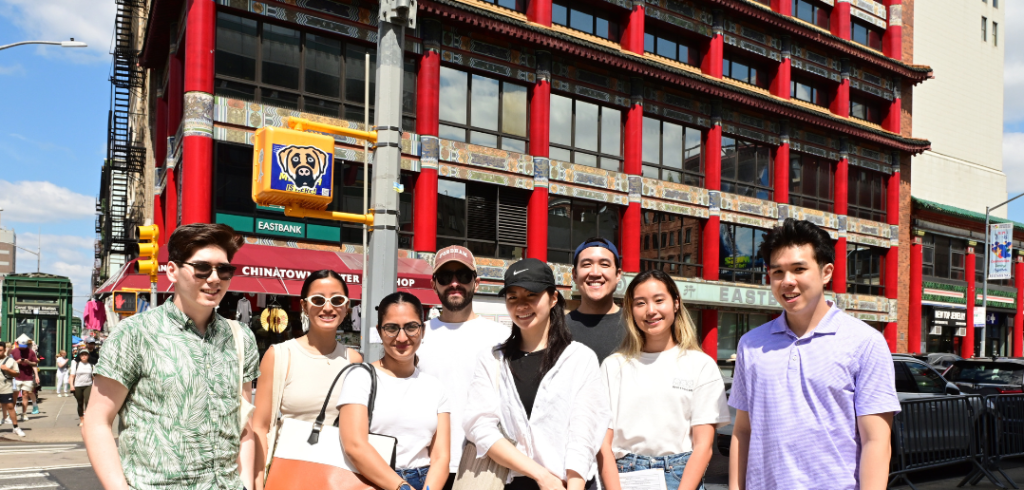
x,y
37,253
64,44
984,287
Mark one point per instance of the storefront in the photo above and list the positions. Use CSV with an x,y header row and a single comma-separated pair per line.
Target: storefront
x,y
39,306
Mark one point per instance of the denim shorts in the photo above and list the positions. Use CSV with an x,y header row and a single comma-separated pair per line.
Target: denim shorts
x,y
673,466
414,476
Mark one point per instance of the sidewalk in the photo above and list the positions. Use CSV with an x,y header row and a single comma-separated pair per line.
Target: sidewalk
x,y
57,421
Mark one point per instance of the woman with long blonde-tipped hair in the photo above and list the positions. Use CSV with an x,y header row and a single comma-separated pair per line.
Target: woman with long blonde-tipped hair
x,y
667,395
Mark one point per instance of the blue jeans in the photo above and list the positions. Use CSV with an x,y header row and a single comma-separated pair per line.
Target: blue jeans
x,y
673,466
415,476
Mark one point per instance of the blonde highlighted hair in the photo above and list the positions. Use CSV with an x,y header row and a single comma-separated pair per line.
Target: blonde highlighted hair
x,y
683,331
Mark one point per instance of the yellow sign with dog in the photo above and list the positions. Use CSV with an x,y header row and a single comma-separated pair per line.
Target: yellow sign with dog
x,y
292,168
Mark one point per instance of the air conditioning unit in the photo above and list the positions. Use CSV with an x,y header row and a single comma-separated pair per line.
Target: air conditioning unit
x,y
961,332
936,330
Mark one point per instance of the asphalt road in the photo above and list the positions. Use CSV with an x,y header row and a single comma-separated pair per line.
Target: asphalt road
x,y
46,467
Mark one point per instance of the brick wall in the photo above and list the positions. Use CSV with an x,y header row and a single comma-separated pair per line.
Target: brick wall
x,y
906,126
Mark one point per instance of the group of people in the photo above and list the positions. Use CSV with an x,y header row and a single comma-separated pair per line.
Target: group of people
x,y
564,401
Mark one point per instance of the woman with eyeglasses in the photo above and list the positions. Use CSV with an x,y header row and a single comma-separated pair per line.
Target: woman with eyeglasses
x,y
296,375
410,406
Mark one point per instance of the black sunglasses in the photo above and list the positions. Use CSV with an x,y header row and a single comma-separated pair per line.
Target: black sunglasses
x,y
412,329
444,278
204,269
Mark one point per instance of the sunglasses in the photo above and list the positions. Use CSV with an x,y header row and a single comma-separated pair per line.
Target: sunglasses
x,y
412,329
444,278
204,269
319,300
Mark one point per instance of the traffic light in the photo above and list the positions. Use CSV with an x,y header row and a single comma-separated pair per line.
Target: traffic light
x,y
148,262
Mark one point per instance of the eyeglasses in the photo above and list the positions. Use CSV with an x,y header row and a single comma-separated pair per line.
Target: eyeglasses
x,y
319,300
204,269
412,329
444,278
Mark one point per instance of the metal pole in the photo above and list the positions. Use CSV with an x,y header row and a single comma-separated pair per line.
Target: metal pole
x,y
984,290
364,325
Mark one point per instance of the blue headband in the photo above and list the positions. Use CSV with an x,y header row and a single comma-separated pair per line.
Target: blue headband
x,y
601,243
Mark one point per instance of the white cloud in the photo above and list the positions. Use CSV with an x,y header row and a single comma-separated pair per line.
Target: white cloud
x,y
43,202
91,21
15,69
1013,162
63,255
43,145
1013,69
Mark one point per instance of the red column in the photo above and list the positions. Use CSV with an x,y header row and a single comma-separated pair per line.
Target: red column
x,y
538,11
711,62
540,135
175,96
197,141
892,40
633,153
710,237
781,162
841,195
914,322
893,115
967,347
428,83
780,86
840,21
840,104
1018,319
633,31
784,7
892,257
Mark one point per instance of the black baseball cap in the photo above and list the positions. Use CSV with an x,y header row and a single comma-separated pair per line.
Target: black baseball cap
x,y
530,274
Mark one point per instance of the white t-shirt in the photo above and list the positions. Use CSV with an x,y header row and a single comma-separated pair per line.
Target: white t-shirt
x,y
82,371
449,353
658,397
405,408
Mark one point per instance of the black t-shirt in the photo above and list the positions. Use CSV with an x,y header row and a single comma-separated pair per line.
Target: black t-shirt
x,y
602,333
525,368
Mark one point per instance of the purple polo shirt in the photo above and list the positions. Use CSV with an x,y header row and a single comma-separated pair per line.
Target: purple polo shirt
x,y
803,396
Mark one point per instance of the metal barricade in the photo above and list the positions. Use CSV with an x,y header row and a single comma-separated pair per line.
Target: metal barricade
x,y
1002,433
935,432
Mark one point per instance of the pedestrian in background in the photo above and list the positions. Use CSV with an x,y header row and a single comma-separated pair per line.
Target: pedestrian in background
x,y
62,374
557,448
8,369
26,380
667,395
814,389
597,322
81,383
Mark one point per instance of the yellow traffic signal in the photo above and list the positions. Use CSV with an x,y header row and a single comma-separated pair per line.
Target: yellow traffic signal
x,y
149,250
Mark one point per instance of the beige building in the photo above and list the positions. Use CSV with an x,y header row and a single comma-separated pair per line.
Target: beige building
x,y
961,111
7,252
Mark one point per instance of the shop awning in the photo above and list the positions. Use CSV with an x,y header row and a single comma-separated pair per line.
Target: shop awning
x,y
281,270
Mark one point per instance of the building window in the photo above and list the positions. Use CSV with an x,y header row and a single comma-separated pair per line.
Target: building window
x,y
571,221
812,13
517,5
669,251
865,110
489,220
866,194
984,29
589,22
737,255
672,152
739,68
482,111
811,182
746,168
864,266
995,33
283,67
672,49
731,327
585,133
862,33
807,92
943,257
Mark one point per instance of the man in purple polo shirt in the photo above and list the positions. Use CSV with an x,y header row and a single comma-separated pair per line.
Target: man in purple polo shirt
x,y
814,390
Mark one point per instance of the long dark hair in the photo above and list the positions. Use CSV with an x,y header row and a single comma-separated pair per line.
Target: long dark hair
x,y
321,274
398,298
558,336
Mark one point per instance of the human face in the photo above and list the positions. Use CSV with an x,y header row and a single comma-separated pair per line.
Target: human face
x,y
327,317
595,274
798,282
401,347
529,310
205,293
654,309
456,295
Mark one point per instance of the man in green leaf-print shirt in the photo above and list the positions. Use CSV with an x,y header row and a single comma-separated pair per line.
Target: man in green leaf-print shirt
x,y
172,375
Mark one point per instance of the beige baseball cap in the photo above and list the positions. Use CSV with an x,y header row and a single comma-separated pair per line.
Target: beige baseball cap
x,y
454,253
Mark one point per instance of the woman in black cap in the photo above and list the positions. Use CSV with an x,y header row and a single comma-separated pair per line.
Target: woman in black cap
x,y
538,371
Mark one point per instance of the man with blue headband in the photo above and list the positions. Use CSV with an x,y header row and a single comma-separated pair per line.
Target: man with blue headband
x,y
597,323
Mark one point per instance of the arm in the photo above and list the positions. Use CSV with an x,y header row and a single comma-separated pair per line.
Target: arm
x,y
354,430
703,439
875,431
738,450
440,452
105,401
590,418
10,371
262,417
606,466
247,447
507,455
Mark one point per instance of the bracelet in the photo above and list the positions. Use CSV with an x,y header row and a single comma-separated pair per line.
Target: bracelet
x,y
400,485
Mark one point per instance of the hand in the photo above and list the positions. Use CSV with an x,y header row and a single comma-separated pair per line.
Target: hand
x,y
72,388
551,482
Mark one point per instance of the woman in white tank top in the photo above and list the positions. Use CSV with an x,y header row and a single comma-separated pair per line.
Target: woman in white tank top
x,y
296,375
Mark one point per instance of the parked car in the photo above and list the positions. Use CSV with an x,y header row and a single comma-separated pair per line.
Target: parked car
x,y
941,360
993,376
915,379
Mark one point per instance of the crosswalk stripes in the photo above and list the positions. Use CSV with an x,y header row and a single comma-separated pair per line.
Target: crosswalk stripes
x,y
28,480
38,448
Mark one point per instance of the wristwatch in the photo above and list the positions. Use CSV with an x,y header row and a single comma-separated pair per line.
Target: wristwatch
x,y
405,486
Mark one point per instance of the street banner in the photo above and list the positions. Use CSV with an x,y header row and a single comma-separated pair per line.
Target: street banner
x,y
1000,253
979,316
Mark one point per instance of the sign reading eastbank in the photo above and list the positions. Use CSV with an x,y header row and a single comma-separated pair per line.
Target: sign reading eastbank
x,y
284,228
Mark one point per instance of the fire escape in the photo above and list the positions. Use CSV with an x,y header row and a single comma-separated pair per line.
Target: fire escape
x,y
126,156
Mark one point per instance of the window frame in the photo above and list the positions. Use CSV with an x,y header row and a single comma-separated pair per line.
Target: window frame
x,y
731,274
984,29
692,50
614,28
736,182
819,97
870,108
672,264
520,5
500,133
873,36
815,13
731,58
599,155
556,200
465,240
854,207
660,165
817,201
861,283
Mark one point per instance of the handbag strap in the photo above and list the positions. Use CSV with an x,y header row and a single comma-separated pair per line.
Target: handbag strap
x,y
314,436
240,352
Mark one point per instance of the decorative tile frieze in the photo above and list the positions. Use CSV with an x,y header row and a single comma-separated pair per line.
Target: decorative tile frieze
x,y
589,194
675,208
479,175
820,218
589,176
672,191
482,156
749,206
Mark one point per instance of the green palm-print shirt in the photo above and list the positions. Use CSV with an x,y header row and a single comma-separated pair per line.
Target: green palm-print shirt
x,y
179,423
